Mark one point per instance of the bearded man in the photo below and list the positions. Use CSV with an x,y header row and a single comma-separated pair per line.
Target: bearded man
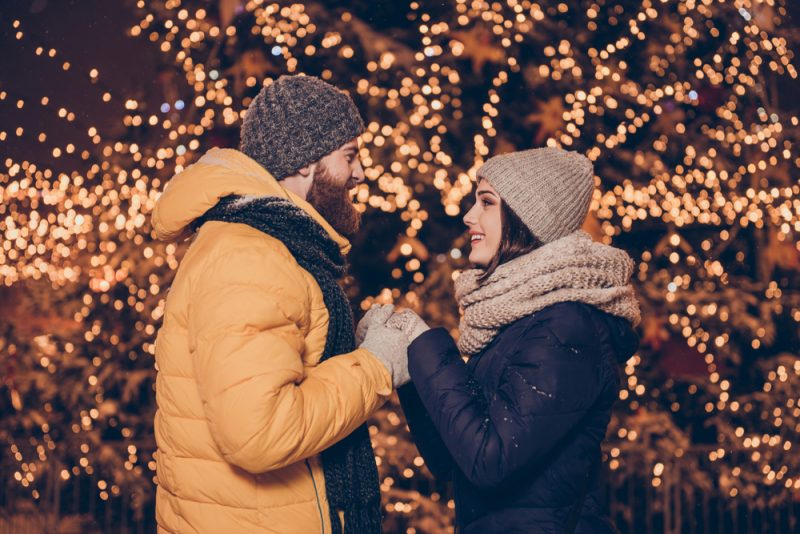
x,y
262,393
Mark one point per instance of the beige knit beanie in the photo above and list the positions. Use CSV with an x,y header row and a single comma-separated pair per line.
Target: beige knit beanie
x,y
548,188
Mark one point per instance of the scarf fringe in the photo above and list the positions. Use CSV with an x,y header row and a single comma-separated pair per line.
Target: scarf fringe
x,y
358,519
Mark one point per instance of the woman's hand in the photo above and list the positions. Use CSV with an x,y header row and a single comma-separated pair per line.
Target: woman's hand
x,y
409,322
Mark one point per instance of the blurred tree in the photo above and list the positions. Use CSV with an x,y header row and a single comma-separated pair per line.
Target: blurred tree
x,y
687,109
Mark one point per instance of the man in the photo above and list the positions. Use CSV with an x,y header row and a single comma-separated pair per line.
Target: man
x,y
262,395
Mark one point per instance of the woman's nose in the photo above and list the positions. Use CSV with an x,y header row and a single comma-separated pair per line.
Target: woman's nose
x,y
469,218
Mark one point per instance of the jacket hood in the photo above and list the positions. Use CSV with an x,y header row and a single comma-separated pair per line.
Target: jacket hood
x,y
622,336
219,173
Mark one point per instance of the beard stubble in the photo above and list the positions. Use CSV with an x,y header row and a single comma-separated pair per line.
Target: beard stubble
x,y
332,201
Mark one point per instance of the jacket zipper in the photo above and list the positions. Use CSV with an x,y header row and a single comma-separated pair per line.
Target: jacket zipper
x,y
316,493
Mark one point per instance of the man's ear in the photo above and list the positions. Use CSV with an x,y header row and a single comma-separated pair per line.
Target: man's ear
x,y
308,171
301,181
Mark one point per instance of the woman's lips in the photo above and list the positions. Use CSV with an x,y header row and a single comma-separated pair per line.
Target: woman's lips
x,y
476,238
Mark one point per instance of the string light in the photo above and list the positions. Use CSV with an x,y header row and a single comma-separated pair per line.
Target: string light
x,y
736,171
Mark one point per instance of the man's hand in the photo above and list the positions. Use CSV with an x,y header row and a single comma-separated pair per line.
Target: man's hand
x,y
389,345
369,317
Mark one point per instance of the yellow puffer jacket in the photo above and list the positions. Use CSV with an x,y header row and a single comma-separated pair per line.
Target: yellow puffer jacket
x,y
244,405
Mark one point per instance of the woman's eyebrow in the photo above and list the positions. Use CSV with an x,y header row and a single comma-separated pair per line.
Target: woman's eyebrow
x,y
479,193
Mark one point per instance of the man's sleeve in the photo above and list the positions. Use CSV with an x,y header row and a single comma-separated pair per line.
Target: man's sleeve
x,y
263,411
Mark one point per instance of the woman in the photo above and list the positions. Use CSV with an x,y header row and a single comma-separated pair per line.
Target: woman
x,y
548,316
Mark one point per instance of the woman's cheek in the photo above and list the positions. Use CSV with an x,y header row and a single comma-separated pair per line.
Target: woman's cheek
x,y
494,245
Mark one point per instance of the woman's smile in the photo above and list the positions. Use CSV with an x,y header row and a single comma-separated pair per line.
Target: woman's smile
x,y
476,238
485,225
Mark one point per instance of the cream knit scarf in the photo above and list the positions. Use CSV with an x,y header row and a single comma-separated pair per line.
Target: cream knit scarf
x,y
573,268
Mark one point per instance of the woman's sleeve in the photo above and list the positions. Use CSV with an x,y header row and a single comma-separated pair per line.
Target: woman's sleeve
x,y
426,436
544,391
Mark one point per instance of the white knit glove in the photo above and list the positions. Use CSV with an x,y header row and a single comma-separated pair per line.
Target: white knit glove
x,y
363,324
410,323
389,345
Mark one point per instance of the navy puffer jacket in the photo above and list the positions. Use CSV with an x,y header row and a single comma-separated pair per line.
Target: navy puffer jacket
x,y
518,427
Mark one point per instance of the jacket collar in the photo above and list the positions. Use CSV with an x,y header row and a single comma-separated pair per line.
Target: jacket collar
x,y
219,173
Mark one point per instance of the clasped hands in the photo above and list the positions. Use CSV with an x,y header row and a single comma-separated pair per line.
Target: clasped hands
x,y
387,334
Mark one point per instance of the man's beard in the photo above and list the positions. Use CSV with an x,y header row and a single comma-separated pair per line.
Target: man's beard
x,y
332,201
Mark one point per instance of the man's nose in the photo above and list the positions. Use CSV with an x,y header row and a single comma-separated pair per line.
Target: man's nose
x,y
358,173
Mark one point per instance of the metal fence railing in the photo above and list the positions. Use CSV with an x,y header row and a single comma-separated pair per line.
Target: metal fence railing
x,y
635,506
70,507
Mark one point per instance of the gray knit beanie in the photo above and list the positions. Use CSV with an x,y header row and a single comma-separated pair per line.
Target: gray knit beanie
x,y
295,121
548,188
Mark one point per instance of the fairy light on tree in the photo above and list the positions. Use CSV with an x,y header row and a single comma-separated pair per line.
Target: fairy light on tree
x,y
685,108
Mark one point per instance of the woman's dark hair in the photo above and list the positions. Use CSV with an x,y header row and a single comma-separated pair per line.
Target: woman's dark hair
x,y
515,240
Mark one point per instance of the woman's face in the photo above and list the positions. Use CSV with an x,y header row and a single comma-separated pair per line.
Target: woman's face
x,y
485,224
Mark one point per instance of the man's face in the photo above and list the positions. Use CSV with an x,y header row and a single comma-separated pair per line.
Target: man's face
x,y
336,174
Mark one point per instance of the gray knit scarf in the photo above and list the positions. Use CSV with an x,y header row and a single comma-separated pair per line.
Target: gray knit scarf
x,y
573,268
351,476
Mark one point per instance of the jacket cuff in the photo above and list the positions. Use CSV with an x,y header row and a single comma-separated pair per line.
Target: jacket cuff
x,y
430,351
380,374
